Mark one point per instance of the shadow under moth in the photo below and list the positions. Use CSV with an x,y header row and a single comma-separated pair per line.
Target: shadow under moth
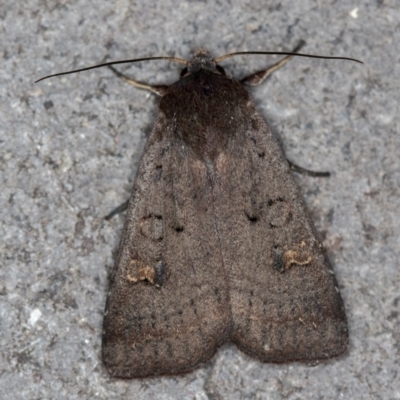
x,y
217,245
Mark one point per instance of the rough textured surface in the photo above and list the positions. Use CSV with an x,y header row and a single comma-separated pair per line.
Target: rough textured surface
x,y
69,151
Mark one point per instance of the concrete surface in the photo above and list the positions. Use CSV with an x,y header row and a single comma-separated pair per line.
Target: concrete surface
x,y
69,149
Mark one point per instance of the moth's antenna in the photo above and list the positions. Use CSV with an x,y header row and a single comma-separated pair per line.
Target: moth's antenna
x,y
283,53
179,60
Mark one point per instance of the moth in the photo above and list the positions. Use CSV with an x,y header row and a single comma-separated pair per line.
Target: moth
x,y
217,245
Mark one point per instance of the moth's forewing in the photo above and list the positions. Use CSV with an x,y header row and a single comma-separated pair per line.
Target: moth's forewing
x,y
168,304
284,298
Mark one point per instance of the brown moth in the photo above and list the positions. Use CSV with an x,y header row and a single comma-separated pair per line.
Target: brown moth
x,y
218,245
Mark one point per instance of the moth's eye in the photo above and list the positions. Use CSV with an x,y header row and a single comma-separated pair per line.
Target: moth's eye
x,y
220,70
184,72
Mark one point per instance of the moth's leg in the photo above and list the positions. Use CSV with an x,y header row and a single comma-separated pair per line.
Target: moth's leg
x,y
258,77
121,208
157,89
308,172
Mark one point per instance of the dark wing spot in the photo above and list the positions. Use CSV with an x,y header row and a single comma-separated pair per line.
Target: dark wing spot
x,y
252,218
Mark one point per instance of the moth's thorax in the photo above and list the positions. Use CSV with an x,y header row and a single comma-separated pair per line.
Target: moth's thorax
x,y
207,111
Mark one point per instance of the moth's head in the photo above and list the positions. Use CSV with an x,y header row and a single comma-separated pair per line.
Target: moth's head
x,y
202,60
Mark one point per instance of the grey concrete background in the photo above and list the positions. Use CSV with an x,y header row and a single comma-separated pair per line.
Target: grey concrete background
x,y
70,148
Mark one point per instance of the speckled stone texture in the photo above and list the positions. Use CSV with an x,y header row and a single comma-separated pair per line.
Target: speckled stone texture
x,y
69,149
